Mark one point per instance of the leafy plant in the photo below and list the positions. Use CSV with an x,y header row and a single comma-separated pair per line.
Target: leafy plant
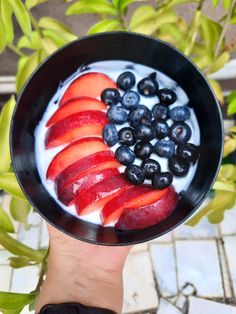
x,y
202,39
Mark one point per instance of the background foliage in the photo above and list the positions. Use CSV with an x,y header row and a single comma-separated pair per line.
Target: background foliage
x,y
202,39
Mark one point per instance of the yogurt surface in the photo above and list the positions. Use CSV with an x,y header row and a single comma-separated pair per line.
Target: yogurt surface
x,y
113,69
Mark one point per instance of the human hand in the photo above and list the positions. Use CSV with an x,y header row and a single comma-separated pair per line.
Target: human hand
x,y
84,273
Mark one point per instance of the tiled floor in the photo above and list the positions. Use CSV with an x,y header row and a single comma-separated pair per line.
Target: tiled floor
x,y
177,273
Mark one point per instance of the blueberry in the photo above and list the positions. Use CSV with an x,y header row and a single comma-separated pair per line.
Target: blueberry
x,y
179,113
110,134
130,99
162,129
162,180
125,155
110,96
139,114
165,148
126,80
117,114
135,174
144,132
143,150
160,112
180,132
150,167
179,168
126,136
166,96
148,87
188,152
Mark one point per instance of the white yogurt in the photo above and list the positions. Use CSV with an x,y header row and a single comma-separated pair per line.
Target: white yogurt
x,y
113,69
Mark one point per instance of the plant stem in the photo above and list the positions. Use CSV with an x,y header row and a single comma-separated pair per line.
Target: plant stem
x,y
15,50
35,24
122,21
200,5
18,248
42,272
224,29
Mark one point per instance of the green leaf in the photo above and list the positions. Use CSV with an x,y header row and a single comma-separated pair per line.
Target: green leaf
x,y
13,312
19,261
22,16
141,15
193,32
59,38
33,43
226,4
25,70
125,3
5,221
231,100
230,146
219,62
224,186
33,3
217,90
9,184
6,11
104,26
227,172
47,22
13,301
19,209
48,45
91,6
215,3
17,248
210,31
216,216
3,35
5,121
233,129
222,200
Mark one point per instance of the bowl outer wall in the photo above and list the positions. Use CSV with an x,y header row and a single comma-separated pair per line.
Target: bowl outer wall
x,y
42,85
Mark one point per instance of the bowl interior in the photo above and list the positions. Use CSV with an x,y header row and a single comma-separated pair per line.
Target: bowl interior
x,y
112,46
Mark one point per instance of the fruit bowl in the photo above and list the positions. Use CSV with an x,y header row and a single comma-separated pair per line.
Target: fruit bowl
x,y
42,85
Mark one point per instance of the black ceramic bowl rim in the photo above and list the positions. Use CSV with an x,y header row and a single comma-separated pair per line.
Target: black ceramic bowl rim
x,y
133,240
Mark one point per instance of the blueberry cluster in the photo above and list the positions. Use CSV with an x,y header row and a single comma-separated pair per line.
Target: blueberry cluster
x,y
144,126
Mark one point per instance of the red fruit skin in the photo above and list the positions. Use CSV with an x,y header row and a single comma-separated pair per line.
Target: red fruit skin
x,y
76,105
113,209
90,84
100,191
74,152
149,215
79,125
67,195
84,166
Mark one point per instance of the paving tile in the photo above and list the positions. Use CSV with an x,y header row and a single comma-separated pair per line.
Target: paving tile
x,y
197,306
166,307
165,268
4,255
30,237
139,247
198,264
139,284
5,277
34,219
44,235
24,279
230,248
204,229
225,271
228,225
163,239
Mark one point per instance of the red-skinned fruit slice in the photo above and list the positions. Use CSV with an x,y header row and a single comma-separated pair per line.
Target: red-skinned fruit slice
x,y
73,152
97,196
148,215
137,196
82,167
75,106
67,195
79,125
90,84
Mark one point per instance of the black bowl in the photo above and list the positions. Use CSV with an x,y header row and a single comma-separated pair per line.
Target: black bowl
x,y
42,85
